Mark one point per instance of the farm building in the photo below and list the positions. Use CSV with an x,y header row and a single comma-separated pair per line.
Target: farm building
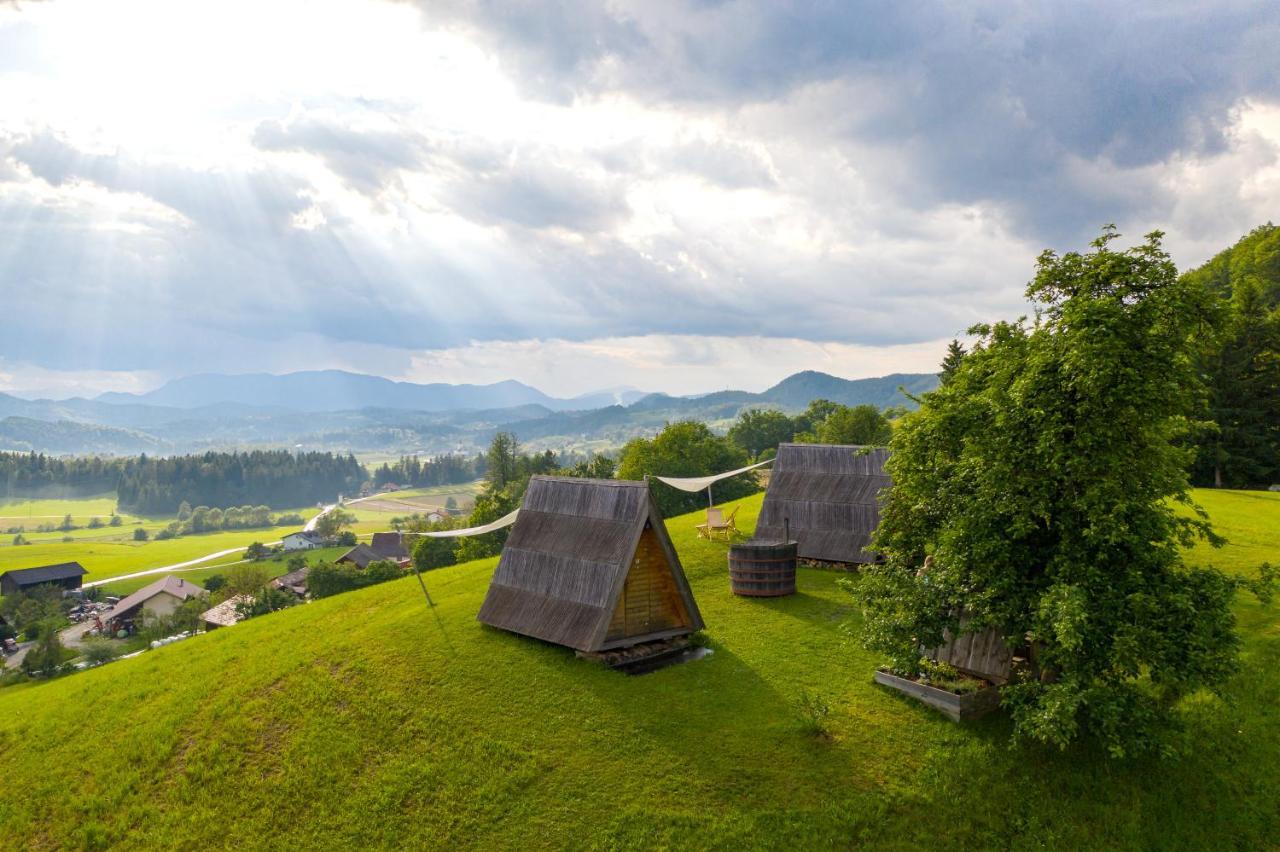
x,y
294,581
391,545
305,540
66,575
588,564
360,556
161,598
830,494
224,614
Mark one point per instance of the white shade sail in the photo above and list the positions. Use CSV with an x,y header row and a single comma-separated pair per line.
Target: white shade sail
x,y
701,483
504,521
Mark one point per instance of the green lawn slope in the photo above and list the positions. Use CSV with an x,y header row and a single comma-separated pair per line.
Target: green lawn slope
x,y
368,720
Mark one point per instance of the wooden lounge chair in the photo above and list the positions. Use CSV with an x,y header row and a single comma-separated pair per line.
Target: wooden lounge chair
x,y
715,520
719,525
728,528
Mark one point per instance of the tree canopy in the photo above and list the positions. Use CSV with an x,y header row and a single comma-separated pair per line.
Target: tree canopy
x,y
1047,480
686,448
1241,359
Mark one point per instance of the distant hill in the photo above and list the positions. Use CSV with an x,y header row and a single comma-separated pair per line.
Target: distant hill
x,y
340,411
795,392
24,434
334,390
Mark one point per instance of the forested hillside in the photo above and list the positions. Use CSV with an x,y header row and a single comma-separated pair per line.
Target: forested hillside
x,y
276,478
1242,363
146,485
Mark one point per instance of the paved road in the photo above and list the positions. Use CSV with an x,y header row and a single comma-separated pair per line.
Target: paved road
x,y
179,566
188,565
16,659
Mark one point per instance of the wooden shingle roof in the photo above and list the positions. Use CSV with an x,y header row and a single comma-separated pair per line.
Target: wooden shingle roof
x,y
389,545
45,573
831,495
565,563
361,556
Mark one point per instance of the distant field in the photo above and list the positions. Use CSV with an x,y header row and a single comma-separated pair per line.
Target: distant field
x,y
415,500
17,511
367,720
1245,519
111,551
274,567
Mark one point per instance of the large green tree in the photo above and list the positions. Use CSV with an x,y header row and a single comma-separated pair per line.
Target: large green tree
x,y
863,425
760,429
686,448
1047,480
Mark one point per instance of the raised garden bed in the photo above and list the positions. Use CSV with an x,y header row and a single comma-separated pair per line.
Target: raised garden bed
x,y
959,707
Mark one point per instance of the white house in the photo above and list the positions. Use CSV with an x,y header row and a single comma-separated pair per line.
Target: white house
x,y
305,540
162,598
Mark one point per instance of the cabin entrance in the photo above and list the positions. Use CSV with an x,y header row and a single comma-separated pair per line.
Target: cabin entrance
x,y
650,601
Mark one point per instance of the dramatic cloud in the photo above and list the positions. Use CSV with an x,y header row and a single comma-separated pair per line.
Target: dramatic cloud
x,y
575,191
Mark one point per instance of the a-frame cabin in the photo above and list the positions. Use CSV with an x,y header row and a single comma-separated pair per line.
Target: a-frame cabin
x,y
828,497
589,565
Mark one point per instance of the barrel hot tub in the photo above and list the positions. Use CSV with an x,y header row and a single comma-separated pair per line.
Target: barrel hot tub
x,y
763,569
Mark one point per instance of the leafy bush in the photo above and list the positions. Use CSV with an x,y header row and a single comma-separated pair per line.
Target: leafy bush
x,y
328,578
98,651
140,534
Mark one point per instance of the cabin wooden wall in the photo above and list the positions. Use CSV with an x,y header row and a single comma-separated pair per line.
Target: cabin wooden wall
x,y
650,601
984,654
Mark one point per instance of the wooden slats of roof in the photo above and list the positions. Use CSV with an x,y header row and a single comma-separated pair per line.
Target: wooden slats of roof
x,y
830,494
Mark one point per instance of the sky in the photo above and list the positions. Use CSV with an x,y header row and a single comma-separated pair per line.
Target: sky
x,y
674,195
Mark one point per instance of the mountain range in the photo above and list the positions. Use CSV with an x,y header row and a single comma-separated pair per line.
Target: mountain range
x,y
337,390
348,411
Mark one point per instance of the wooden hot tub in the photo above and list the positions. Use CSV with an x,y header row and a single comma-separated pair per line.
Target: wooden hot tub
x,y
763,569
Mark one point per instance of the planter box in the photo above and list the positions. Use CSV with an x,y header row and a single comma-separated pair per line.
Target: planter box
x,y
959,708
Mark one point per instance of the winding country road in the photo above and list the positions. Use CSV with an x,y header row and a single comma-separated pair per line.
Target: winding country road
x,y
193,564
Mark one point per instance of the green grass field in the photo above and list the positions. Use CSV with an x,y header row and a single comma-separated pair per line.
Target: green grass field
x,y
367,720
110,552
274,568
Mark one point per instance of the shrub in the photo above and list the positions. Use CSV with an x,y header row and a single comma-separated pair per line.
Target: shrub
x,y
140,534
813,710
95,523
99,651
329,578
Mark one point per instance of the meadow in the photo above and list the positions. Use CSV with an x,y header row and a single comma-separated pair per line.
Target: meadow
x,y
111,551
369,720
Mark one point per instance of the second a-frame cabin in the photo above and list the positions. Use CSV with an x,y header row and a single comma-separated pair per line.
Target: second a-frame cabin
x,y
827,496
589,564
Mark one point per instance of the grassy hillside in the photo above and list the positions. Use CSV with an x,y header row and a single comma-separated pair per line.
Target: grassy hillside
x,y
367,720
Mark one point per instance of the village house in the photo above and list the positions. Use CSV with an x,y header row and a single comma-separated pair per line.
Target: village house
x,y
65,575
304,540
294,581
392,546
161,599
360,556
